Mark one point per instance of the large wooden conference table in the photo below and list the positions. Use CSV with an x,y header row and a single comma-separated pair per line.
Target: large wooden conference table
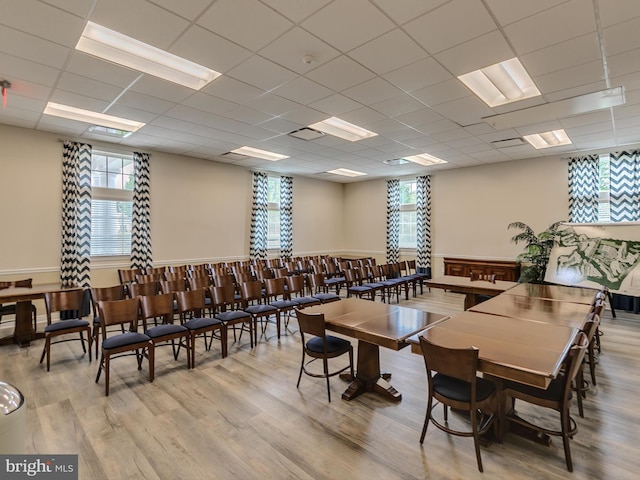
x,y
375,325
22,297
560,293
469,287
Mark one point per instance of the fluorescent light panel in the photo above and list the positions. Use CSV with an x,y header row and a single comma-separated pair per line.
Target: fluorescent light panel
x,y
94,118
340,128
257,153
502,83
118,48
345,172
554,138
425,159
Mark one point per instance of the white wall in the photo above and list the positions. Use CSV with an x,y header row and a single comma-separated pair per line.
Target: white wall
x,y
200,210
471,208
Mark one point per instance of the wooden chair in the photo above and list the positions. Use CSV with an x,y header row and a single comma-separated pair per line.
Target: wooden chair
x,y
224,304
253,304
155,270
98,294
295,292
70,304
276,296
191,308
355,285
320,289
132,342
173,276
161,306
456,385
149,277
555,397
171,286
10,309
143,289
581,386
317,345
128,275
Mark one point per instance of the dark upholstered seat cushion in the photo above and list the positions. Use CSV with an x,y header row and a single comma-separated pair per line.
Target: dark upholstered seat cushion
x,y
124,339
232,315
65,325
360,288
553,392
283,304
305,300
460,390
259,309
198,323
334,344
165,329
326,297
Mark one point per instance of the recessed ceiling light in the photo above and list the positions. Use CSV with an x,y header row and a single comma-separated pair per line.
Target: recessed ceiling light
x,y
425,159
94,118
548,139
340,128
118,48
504,82
257,153
345,172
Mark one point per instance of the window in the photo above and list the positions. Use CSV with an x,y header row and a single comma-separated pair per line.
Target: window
x,y
604,210
408,190
112,183
273,197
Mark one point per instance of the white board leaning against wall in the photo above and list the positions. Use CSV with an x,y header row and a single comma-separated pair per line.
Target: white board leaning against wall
x,y
597,255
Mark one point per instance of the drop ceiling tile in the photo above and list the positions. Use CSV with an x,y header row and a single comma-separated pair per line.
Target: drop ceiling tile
x,y
592,129
280,125
573,52
295,10
290,49
401,12
419,117
162,89
232,90
261,73
79,101
62,125
618,11
525,34
189,10
624,63
508,11
87,87
539,127
188,114
335,105
208,103
247,115
398,105
570,77
420,74
248,23
334,23
442,92
144,102
389,52
210,50
576,91
96,69
304,116
363,116
303,91
29,47
160,27
586,119
439,126
272,104
26,98
371,91
340,73
617,38
15,69
475,54
445,27
464,111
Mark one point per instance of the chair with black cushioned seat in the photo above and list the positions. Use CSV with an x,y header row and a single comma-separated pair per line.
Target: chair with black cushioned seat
x,y
121,313
320,346
224,305
253,302
295,291
320,289
276,295
191,309
161,306
116,292
457,386
71,302
556,397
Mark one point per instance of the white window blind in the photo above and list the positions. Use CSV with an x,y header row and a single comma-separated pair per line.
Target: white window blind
x,y
408,225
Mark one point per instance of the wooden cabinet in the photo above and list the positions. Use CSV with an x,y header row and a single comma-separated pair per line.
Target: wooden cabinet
x,y
464,267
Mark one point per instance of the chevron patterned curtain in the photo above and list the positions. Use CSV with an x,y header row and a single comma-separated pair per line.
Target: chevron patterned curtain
x,y
286,217
624,193
259,217
583,189
393,220
141,215
75,265
423,222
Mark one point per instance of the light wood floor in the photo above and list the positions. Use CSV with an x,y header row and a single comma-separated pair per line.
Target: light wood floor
x,y
242,417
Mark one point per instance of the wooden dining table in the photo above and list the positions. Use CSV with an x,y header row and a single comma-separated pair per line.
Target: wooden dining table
x,y
469,287
23,297
374,325
537,309
560,293
525,351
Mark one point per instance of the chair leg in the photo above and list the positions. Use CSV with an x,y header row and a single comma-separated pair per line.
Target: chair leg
x,y
427,419
592,363
476,440
565,438
107,369
151,357
326,374
301,369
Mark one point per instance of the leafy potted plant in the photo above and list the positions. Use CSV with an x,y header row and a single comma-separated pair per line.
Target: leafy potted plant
x,y
537,250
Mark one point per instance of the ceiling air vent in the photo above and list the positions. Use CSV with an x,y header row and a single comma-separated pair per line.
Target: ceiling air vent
x,y
509,142
306,133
